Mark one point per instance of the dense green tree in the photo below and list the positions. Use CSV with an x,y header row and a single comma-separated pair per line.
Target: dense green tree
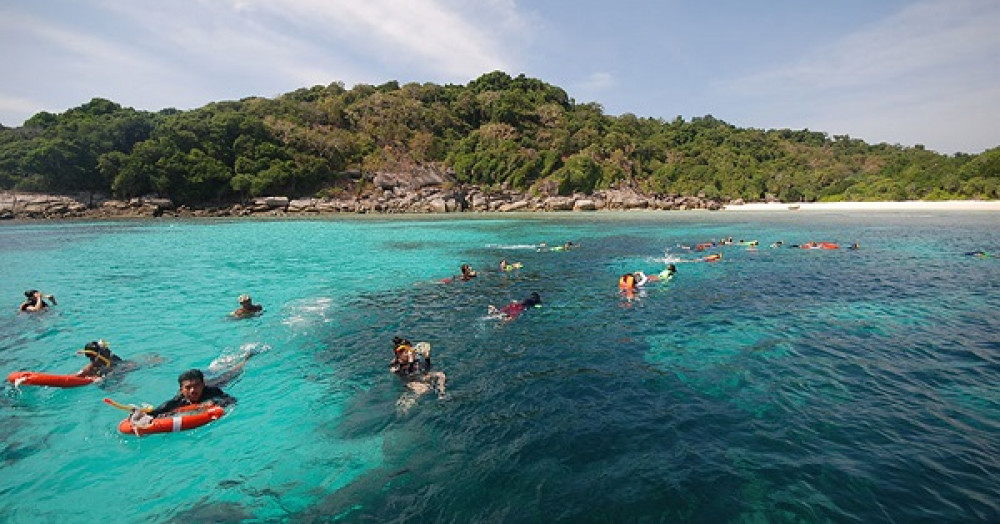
x,y
496,131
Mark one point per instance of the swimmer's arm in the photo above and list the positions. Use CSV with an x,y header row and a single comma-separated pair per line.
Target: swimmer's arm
x,y
221,399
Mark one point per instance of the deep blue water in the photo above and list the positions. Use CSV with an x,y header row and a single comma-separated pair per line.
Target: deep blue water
x,y
777,385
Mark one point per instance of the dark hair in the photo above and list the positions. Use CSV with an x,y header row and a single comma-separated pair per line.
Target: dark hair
x,y
30,293
191,374
532,300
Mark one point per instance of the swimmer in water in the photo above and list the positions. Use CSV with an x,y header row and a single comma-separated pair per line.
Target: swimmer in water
x,y
102,360
34,301
412,364
514,309
247,307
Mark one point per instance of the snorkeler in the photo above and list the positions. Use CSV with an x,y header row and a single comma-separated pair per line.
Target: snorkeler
x,y
504,266
514,309
412,364
34,301
247,307
193,390
467,273
102,360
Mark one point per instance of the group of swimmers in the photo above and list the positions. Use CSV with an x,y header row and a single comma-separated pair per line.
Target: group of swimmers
x,y
412,363
193,387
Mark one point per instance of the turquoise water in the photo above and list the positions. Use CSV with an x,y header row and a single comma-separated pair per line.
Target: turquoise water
x,y
778,385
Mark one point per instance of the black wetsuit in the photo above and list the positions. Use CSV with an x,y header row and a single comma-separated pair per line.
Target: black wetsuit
x,y
26,305
102,368
216,395
413,369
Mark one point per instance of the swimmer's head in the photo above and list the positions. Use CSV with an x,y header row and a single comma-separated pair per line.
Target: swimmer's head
x,y
194,375
533,299
244,299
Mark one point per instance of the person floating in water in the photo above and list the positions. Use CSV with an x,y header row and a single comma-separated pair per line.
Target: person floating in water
x,y
247,307
412,364
504,266
514,309
102,360
194,389
467,273
662,276
34,301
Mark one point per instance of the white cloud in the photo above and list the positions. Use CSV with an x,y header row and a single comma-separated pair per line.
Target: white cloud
x,y
922,38
926,75
428,35
183,54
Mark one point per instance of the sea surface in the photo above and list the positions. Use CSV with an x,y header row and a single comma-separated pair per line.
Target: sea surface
x,y
776,385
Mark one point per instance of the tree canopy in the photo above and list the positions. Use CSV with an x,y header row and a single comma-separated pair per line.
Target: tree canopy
x,y
496,131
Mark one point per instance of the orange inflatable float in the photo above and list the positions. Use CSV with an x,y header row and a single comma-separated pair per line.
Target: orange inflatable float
x,y
188,417
32,378
820,245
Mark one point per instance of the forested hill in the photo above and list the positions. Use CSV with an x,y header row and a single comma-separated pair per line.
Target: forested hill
x,y
496,131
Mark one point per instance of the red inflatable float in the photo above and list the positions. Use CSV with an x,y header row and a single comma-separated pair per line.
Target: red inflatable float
x,y
32,378
820,245
188,417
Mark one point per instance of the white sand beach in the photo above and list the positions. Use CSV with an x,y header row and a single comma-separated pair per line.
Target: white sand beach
x,y
912,205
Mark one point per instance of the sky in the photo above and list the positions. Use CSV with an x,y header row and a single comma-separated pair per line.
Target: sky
x,y
907,72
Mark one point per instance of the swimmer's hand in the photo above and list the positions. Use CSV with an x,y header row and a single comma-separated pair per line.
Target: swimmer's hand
x,y
140,419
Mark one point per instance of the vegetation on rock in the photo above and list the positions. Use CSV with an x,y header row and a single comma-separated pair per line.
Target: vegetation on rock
x,y
496,132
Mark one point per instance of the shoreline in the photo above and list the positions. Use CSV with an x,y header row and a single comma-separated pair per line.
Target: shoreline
x,y
909,205
437,201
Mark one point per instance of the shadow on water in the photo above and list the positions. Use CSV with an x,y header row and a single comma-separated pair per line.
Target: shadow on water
x,y
543,409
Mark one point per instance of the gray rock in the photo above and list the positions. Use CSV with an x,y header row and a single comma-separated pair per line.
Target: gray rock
x,y
438,205
302,205
520,205
273,202
558,204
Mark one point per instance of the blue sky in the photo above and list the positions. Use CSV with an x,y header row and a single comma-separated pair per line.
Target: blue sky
x,y
903,72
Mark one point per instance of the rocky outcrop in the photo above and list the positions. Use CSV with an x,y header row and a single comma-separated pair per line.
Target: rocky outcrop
x,y
427,192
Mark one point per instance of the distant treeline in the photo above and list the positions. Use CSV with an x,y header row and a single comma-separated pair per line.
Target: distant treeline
x,y
497,131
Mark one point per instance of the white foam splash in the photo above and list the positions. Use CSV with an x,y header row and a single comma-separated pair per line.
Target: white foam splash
x,y
228,359
308,311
